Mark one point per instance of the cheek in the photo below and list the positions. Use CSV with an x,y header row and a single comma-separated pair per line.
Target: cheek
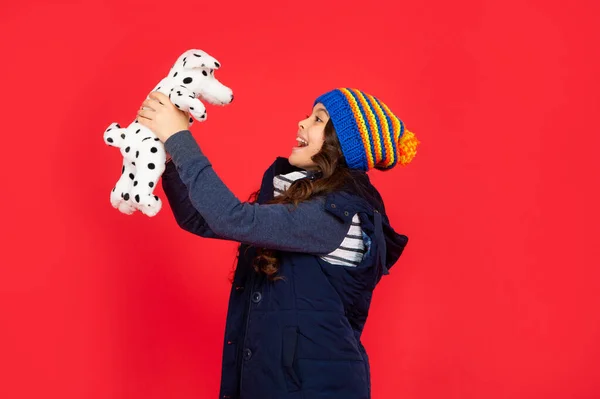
x,y
317,147
318,143
316,139
312,150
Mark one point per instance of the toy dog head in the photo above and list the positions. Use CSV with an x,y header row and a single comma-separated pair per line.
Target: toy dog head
x,y
195,70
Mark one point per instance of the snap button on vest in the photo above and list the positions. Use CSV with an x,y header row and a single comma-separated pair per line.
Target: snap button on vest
x,y
333,205
247,354
256,297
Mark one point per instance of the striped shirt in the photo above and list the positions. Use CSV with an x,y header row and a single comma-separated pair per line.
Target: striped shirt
x,y
352,249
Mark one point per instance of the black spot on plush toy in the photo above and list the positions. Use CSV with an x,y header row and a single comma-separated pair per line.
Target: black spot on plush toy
x,y
189,79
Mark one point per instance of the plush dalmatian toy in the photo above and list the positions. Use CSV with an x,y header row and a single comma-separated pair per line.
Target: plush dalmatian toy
x,y
190,78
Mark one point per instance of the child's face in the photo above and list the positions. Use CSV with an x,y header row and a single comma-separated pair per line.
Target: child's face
x,y
312,131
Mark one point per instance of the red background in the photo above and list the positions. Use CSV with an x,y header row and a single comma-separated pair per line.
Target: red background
x,y
496,295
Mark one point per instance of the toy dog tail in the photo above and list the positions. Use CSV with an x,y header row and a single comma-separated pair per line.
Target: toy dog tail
x,y
114,135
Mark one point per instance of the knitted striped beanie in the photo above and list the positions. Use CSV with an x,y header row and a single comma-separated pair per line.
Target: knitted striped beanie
x,y
370,135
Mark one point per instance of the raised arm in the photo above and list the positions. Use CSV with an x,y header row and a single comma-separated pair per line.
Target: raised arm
x,y
186,216
307,228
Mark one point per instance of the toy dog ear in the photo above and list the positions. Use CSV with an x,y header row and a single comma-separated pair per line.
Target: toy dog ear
x,y
200,60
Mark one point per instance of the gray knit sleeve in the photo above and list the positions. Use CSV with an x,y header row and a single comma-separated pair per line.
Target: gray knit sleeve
x,y
307,228
186,216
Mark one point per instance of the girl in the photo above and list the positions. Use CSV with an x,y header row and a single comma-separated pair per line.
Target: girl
x,y
314,243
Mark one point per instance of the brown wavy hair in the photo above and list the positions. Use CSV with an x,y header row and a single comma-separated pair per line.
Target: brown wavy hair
x,y
333,174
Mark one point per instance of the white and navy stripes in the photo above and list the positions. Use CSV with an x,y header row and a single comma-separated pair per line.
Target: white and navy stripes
x,y
352,249
282,182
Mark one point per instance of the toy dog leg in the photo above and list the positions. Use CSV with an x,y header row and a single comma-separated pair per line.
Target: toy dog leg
x,y
150,162
142,192
185,99
120,196
114,135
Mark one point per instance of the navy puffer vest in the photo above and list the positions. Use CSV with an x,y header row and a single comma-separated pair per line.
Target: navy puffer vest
x,y
300,337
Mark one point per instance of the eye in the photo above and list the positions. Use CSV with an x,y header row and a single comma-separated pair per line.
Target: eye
x,y
316,118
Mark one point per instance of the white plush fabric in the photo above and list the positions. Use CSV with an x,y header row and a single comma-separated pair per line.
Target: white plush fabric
x,y
189,79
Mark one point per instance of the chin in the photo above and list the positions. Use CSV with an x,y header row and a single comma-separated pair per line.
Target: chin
x,y
294,161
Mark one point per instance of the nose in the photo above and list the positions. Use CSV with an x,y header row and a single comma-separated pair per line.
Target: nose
x,y
231,98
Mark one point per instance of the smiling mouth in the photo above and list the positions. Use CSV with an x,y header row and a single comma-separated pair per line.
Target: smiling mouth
x,y
301,142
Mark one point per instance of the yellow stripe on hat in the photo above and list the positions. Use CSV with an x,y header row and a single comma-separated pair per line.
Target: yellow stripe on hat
x,y
396,126
378,155
387,140
362,127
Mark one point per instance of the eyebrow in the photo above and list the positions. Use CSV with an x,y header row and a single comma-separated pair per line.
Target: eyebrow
x,y
322,109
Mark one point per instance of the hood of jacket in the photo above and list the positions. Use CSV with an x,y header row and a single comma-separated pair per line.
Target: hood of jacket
x,y
362,187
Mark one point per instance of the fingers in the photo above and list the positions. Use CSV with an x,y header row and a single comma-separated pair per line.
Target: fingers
x,y
152,104
146,113
149,123
158,96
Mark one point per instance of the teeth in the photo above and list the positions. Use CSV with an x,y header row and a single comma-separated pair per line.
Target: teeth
x,y
301,141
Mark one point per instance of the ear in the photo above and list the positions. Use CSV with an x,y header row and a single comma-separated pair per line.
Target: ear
x,y
199,59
